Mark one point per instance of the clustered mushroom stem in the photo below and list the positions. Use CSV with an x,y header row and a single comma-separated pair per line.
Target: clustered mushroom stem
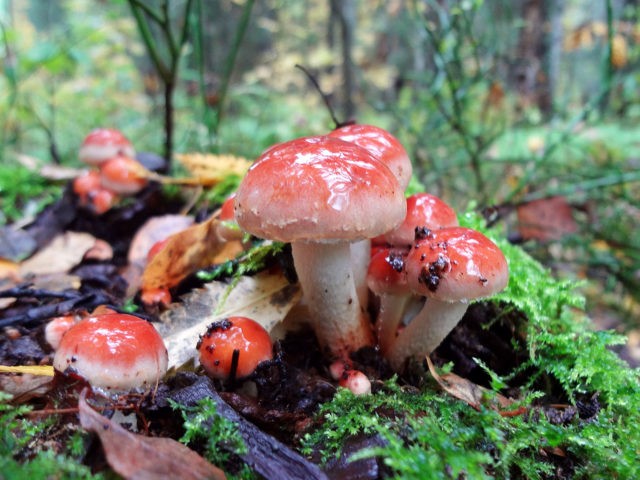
x,y
326,277
390,314
426,331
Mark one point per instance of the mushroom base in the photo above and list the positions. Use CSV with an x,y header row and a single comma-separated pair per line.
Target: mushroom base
x,y
326,277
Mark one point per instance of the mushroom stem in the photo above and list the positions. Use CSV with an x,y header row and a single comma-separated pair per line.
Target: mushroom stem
x,y
326,277
392,309
360,257
426,331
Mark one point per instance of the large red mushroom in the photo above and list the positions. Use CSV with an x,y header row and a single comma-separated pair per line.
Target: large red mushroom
x,y
321,194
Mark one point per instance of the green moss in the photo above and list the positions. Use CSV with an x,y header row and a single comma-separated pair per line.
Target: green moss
x,y
23,193
429,434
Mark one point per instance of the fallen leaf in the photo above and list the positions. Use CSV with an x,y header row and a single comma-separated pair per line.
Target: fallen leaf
x,y
153,230
64,252
187,251
16,244
26,386
137,457
472,394
265,298
546,219
210,169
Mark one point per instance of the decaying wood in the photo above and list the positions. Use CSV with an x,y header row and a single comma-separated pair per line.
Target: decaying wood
x,y
265,454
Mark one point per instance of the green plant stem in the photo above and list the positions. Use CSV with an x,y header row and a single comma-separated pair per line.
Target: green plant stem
x,y
608,67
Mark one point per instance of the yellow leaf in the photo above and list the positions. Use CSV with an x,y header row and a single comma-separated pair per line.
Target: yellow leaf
x,y
42,370
209,169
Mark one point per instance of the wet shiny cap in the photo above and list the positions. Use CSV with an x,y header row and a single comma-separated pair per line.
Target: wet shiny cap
x,y
424,211
382,145
318,188
113,351
456,264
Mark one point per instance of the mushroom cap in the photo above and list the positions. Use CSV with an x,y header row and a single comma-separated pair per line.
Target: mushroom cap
x,y
113,351
386,272
121,174
382,145
103,143
423,211
318,189
456,264
247,336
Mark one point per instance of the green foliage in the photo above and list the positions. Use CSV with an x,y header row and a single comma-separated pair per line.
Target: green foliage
x,y
249,262
219,436
432,435
23,193
16,434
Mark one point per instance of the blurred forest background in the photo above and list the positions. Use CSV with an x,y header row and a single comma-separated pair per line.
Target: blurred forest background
x,y
526,109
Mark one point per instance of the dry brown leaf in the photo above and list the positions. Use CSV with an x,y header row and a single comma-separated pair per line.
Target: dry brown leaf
x,y
266,298
185,252
63,253
137,457
154,230
472,394
25,385
546,219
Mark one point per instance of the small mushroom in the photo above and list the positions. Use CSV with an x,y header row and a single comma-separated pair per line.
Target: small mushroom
x,y
387,280
424,212
122,175
57,327
218,347
114,351
321,194
102,144
450,267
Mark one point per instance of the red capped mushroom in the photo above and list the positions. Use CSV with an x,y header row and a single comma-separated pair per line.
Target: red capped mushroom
x,y
223,338
57,327
228,229
450,267
424,212
382,145
321,194
122,175
386,279
113,351
102,144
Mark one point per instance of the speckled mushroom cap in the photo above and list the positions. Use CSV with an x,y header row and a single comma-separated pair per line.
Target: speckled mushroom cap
x,y
318,189
423,211
113,351
456,264
382,145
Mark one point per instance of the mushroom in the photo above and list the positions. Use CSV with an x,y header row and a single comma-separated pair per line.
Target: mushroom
x,y
350,378
223,338
388,150
382,145
57,327
450,267
387,280
113,351
228,229
122,175
91,194
424,212
102,144
321,194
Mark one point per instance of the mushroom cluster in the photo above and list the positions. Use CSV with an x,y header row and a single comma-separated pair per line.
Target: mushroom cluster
x,y
339,200
114,173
